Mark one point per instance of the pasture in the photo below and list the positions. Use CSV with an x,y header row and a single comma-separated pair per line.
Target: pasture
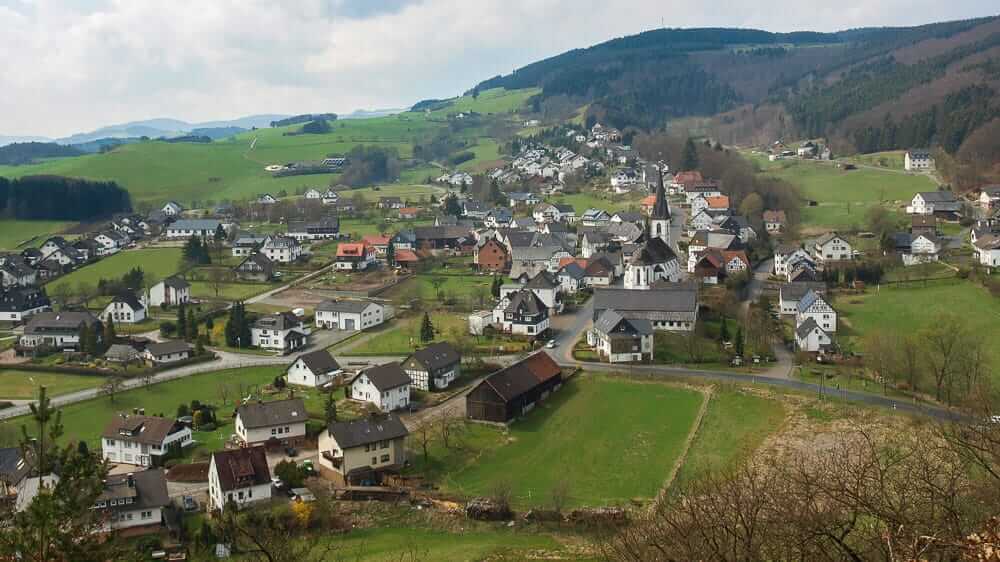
x,y
157,263
18,234
23,385
607,439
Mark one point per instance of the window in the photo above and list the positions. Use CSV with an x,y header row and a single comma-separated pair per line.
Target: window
x,y
384,445
385,458
273,431
374,460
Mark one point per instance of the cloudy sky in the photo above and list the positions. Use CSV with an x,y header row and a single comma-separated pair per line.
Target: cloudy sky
x,y
74,65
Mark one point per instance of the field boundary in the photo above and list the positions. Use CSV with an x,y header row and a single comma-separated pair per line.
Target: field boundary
x,y
707,393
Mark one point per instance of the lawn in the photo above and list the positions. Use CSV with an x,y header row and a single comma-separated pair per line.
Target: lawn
x,y
15,234
735,425
156,262
403,335
497,100
23,385
228,291
905,309
425,286
607,439
599,200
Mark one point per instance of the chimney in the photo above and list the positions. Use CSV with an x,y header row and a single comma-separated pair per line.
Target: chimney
x,y
135,411
130,480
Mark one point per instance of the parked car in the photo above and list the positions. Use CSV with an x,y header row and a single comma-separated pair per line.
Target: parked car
x,y
551,344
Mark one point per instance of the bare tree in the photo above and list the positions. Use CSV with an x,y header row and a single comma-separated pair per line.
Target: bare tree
x,y
112,385
450,428
223,391
424,436
217,278
944,347
910,360
559,495
86,291
880,356
502,493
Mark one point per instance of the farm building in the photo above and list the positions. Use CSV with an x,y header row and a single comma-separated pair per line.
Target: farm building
x,y
512,392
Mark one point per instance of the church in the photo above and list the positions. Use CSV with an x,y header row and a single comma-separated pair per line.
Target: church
x,y
655,260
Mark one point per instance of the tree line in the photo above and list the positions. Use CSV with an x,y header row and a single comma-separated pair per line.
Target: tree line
x,y
61,198
19,153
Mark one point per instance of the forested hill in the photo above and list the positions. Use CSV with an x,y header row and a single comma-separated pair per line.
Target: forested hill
x,y
868,89
28,152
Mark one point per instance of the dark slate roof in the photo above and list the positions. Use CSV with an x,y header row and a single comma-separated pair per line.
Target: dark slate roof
x,y
437,356
355,433
343,306
278,321
320,362
542,280
144,429
386,376
676,298
610,319
938,196
525,302
148,490
66,320
168,347
796,290
17,299
130,299
241,468
572,269
523,376
803,329
267,414
807,300
12,469
661,209
902,240
653,252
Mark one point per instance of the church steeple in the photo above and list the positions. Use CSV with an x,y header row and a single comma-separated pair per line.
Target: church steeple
x,y
659,217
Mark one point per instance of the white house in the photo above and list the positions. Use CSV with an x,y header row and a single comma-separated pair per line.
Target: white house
x,y
142,440
189,228
240,476
832,247
812,305
989,197
281,420
133,501
359,451
385,386
622,340
267,199
930,202
58,330
20,303
917,160
281,331
522,313
330,197
784,256
349,315
172,209
545,286
169,292
124,308
314,369
811,338
167,352
924,248
789,295
312,193
987,250
282,249
434,367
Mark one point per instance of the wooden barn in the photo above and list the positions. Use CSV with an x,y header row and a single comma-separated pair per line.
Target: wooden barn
x,y
512,392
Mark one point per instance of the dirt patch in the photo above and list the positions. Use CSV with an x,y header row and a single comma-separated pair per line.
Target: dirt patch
x,y
194,472
9,357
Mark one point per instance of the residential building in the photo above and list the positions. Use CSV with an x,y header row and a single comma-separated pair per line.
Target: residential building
x,y
124,308
918,160
785,255
522,313
18,304
924,248
789,295
386,386
267,199
434,367
379,243
571,277
941,202
621,340
813,305
168,352
189,228
315,369
390,203
281,331
775,221
133,502
831,247
989,196
361,451
670,307
546,287
349,315
248,243
281,249
283,421
491,255
172,209
987,250
323,229
142,440
810,338
256,267
514,391
238,476
58,330
354,257
171,291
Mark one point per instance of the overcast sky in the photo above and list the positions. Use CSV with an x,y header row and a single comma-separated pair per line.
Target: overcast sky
x,y
75,65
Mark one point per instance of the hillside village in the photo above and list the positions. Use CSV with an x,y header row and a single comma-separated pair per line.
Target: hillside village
x,y
562,341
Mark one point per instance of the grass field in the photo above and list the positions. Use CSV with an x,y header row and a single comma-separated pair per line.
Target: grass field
x,y
734,426
600,200
466,287
844,197
157,262
492,101
916,306
403,335
228,291
15,234
23,385
609,440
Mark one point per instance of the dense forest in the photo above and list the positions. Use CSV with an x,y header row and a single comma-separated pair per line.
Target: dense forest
x,y
61,198
27,152
370,164
304,118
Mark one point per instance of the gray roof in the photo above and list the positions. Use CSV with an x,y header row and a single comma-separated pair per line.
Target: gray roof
x,y
130,299
940,196
796,290
525,302
808,299
654,252
66,320
807,326
610,319
121,352
354,433
572,269
437,355
148,489
320,362
542,280
386,376
267,414
679,298
168,347
195,224
278,321
12,468
344,306
18,299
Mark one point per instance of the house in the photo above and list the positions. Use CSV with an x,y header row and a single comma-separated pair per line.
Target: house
x,y
281,249
832,247
354,256
599,272
409,213
378,242
652,262
360,452
256,267
109,242
18,304
546,287
385,386
789,295
404,240
942,203
812,305
620,340
924,248
133,502
87,248
124,308
247,243
705,188
324,229
349,315
514,391
522,313
774,221
58,330
440,237
522,198
189,228
593,241
571,277
987,250
434,367
923,224
172,209
168,352
169,292
739,226
267,199
142,440
595,217
312,193
917,160
330,197
785,255
527,262
16,273
314,369
810,338
623,180
710,239
989,196
491,255
14,469
390,203
669,307
280,420
238,476
281,331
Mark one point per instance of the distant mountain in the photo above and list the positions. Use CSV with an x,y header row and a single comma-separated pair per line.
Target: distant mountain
x,y
5,140
16,154
164,127
215,133
372,113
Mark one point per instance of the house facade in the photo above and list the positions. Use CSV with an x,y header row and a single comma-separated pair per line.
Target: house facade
x,y
918,160
434,367
133,502
621,340
349,315
238,476
813,306
386,386
171,291
281,420
522,313
315,369
281,331
124,308
832,248
361,451
142,440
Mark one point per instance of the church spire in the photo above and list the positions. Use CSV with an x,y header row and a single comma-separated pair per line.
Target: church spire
x,y
661,209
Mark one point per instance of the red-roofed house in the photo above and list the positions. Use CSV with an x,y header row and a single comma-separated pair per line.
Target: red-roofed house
x,y
409,212
647,204
354,256
718,203
380,243
406,258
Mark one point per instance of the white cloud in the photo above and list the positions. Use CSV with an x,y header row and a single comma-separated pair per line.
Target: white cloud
x,y
76,65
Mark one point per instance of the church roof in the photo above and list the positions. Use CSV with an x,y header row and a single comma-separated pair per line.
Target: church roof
x,y
661,210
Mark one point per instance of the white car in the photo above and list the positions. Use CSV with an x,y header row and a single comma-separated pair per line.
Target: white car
x,y
551,344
